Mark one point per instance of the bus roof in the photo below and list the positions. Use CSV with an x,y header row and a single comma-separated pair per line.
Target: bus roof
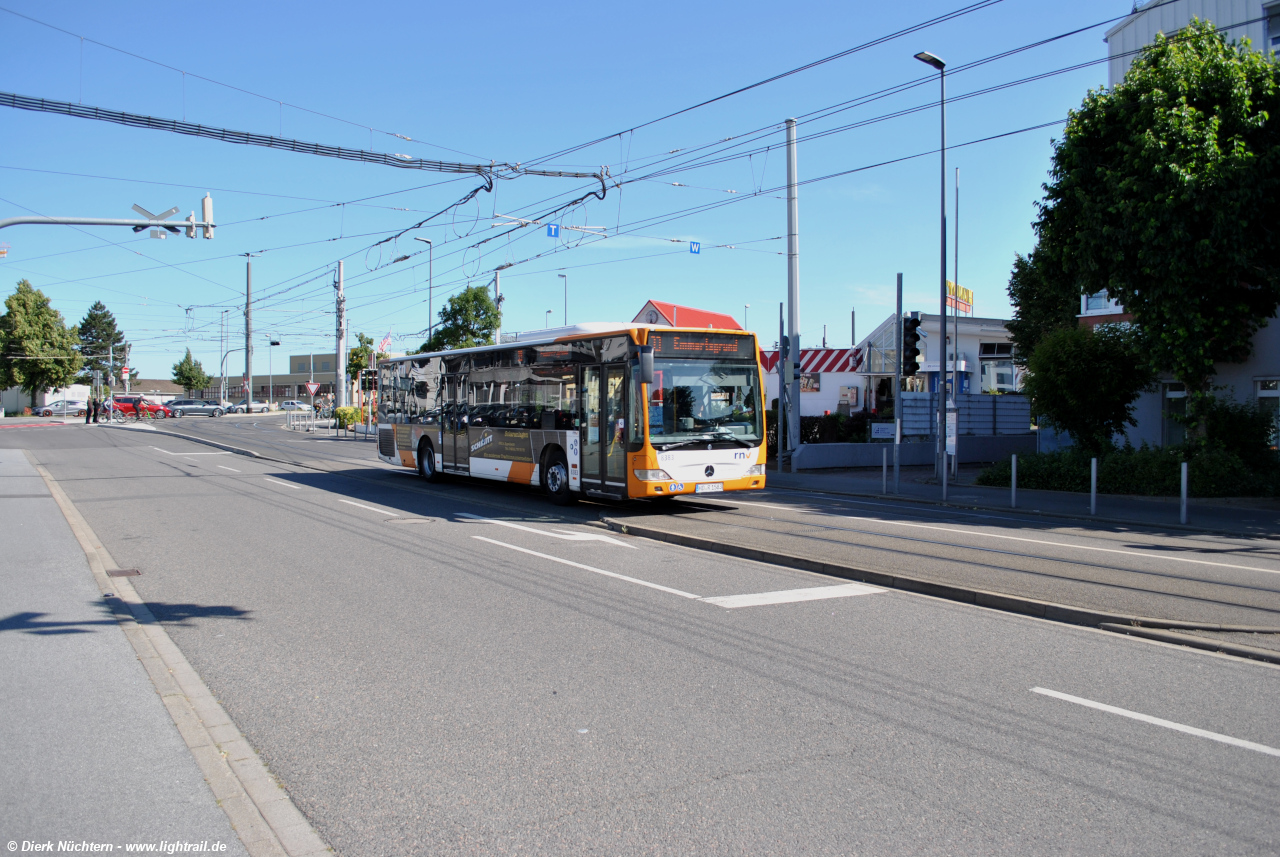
x,y
562,334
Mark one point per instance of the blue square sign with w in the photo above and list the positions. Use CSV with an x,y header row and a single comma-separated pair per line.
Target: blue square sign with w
x,y
695,247
553,230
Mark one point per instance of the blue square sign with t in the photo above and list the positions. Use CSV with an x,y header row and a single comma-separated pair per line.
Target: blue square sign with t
x,y
553,230
695,247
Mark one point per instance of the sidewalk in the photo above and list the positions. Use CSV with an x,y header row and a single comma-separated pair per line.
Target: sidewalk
x,y
88,750
1253,517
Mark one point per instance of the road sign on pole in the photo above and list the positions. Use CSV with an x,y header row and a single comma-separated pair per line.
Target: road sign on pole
x,y
312,389
553,230
695,247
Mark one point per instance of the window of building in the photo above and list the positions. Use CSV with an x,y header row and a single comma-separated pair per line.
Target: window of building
x,y
302,367
325,367
995,349
1273,27
1174,407
1099,304
1269,401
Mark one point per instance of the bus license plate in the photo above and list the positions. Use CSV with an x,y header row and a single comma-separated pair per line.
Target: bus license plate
x,y
708,488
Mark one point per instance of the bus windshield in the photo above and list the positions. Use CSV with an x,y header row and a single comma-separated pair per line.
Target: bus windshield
x,y
712,400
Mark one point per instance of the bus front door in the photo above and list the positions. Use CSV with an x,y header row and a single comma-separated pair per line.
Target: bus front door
x,y
603,431
456,452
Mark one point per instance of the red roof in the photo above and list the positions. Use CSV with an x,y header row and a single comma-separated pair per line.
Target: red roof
x,y
819,359
686,316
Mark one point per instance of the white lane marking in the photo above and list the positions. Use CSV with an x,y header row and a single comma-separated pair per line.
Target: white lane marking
x,y
1156,721
656,586
167,452
1145,555
370,508
232,469
788,596
285,484
555,534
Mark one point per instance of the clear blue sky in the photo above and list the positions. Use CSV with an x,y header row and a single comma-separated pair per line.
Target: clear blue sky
x,y
511,83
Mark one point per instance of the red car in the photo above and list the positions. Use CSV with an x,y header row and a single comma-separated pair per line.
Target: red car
x,y
128,403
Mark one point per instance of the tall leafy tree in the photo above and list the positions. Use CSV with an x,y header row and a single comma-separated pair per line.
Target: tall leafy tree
x,y
100,340
1085,382
37,349
1165,193
189,374
1043,301
468,319
363,356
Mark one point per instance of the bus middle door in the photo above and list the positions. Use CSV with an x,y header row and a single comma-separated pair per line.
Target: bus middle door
x,y
456,452
603,433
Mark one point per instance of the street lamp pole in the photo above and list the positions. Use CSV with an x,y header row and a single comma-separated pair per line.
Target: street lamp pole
x,y
565,277
548,321
431,251
936,62
745,307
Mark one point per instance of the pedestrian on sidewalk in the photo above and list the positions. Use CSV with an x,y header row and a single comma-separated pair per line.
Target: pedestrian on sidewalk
x,y
89,410
97,406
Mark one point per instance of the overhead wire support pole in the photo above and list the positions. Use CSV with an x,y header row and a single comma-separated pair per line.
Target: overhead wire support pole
x,y
248,334
940,458
793,287
340,336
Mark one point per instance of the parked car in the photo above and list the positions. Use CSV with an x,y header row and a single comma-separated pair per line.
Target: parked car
x,y
294,405
129,403
66,407
208,407
254,406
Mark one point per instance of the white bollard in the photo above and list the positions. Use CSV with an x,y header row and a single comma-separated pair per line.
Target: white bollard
x,y
1013,485
1183,516
884,470
1093,486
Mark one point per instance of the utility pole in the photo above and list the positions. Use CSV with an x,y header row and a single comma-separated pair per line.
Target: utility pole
x,y
222,355
497,300
793,284
431,252
897,388
955,327
248,334
340,361
565,277
853,328
784,376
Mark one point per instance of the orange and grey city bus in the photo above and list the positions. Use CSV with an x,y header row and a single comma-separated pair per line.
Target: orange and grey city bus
x,y
604,410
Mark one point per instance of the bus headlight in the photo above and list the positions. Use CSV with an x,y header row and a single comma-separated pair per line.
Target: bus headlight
x,y
652,476
755,470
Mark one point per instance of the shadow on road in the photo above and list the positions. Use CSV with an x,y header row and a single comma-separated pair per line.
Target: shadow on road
x,y
31,622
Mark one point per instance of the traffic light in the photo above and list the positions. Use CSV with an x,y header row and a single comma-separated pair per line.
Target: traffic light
x,y
910,346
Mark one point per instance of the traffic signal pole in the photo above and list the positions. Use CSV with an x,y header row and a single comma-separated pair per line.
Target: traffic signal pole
x,y
793,286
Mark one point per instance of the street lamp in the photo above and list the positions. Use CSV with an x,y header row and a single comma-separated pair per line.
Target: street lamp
x,y
931,60
547,323
745,307
431,251
271,372
565,277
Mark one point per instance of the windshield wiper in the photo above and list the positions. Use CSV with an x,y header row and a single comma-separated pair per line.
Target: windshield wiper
x,y
709,437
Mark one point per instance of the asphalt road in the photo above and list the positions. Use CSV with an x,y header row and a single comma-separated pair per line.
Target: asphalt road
x,y
1136,571
463,669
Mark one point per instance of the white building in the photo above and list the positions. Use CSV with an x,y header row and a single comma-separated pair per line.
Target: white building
x,y
1259,20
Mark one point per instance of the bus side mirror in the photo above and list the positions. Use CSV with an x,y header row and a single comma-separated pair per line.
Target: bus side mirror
x,y
646,364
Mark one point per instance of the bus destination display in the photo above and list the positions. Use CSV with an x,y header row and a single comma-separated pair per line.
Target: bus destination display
x,y
707,345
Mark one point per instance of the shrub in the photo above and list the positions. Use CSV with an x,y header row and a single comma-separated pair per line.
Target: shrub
x,y
347,416
1211,472
828,428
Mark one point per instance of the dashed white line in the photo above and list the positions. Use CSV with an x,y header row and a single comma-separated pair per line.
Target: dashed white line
x,y
285,484
656,586
1156,721
555,534
232,469
789,596
370,508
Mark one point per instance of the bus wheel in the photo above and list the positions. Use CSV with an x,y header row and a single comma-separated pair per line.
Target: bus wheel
x,y
555,478
427,461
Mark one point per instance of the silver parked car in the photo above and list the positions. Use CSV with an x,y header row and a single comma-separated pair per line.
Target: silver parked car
x,y
294,405
64,408
254,407
182,407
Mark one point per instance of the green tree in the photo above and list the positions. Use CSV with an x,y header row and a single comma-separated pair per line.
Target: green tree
x,y
1084,382
37,349
1043,301
470,318
100,340
359,358
1165,193
189,374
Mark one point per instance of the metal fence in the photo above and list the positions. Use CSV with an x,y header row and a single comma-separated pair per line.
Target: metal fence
x,y
979,414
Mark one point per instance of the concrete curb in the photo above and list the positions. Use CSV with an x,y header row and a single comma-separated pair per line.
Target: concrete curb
x,y
1070,516
1191,640
260,811
979,597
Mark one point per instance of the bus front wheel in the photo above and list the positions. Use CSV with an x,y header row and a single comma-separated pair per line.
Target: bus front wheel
x,y
555,478
427,461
